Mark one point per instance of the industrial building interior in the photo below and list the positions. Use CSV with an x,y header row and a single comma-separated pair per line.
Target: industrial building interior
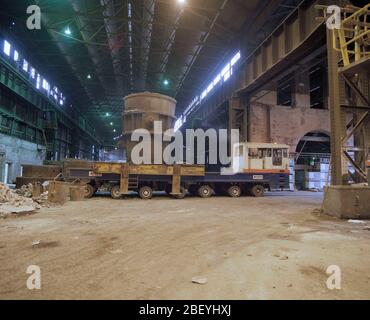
x,y
79,78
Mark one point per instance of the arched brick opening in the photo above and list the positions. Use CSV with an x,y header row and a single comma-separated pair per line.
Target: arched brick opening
x,y
312,160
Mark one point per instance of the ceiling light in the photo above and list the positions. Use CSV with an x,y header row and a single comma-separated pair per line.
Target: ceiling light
x,y
88,76
107,114
67,31
111,123
166,82
181,1
114,130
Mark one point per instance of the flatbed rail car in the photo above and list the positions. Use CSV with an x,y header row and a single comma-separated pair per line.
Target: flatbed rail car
x,y
145,179
255,167
177,180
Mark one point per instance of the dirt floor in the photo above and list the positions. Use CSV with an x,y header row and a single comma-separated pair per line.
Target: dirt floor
x,y
277,247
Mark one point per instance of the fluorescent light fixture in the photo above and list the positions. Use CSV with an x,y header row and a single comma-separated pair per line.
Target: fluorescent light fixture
x,y
217,80
16,55
203,95
25,65
7,48
225,70
45,84
227,76
38,80
236,58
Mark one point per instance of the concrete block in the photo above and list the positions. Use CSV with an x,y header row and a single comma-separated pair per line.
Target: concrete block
x,y
347,202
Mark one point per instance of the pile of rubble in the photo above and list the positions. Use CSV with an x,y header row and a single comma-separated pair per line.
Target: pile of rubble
x,y
19,201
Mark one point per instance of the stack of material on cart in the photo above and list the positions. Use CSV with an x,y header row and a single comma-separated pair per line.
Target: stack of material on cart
x,y
325,170
291,175
318,180
315,180
12,202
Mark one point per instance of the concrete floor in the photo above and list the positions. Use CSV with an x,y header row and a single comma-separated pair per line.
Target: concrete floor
x,y
277,247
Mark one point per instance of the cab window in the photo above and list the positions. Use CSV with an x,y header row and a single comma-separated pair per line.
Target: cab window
x,y
253,153
277,157
264,153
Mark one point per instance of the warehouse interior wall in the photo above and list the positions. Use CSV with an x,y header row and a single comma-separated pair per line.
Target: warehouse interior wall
x,y
14,153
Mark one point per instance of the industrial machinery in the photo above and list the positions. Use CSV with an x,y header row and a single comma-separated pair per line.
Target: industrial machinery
x,y
141,110
255,167
69,170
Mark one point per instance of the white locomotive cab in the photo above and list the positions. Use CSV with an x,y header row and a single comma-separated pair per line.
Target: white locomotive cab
x,y
252,156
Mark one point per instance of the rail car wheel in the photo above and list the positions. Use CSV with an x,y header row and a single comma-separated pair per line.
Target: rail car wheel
x,y
234,191
258,191
116,192
89,191
182,194
205,191
146,193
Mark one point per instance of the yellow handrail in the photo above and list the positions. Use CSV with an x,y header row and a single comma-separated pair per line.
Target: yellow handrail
x,y
353,37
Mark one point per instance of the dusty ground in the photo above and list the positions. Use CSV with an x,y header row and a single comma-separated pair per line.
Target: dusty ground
x,y
247,248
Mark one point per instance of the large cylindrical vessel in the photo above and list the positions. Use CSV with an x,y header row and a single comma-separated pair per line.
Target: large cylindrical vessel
x,y
141,110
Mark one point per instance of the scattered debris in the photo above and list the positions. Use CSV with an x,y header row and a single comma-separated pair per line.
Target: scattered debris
x,y
42,199
284,258
25,191
357,221
199,280
36,243
17,201
317,211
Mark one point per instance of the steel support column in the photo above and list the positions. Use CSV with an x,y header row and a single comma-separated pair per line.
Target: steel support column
x,y
335,112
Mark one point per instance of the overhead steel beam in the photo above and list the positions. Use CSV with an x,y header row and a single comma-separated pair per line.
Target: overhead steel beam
x,y
200,46
146,40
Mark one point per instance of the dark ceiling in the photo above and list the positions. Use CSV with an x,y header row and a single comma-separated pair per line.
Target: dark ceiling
x,y
116,47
